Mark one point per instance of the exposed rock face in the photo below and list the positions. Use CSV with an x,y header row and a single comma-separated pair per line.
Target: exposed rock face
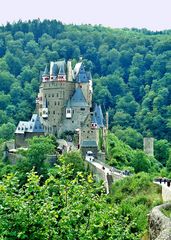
x,y
159,224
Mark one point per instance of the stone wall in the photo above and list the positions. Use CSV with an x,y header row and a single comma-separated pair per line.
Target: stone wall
x,y
159,224
99,174
166,193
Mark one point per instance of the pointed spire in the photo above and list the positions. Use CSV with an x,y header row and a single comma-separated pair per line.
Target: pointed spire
x,y
54,70
61,70
99,115
45,73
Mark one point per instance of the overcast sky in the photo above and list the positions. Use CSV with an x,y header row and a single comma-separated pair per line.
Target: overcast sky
x,y
150,14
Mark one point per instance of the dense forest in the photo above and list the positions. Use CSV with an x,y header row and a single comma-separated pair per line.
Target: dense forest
x,y
131,71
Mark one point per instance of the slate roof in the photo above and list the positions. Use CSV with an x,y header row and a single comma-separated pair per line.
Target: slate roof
x,y
46,72
93,118
54,70
78,99
99,116
80,73
58,67
22,127
32,126
88,143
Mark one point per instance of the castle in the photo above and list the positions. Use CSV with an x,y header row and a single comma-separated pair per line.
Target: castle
x,y
64,103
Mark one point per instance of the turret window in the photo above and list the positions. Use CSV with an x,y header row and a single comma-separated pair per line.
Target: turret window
x,y
68,110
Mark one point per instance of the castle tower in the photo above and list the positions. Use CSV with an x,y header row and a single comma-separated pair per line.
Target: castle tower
x,y
65,99
84,81
45,75
148,143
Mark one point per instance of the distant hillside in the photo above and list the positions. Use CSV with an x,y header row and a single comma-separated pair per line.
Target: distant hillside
x,y
131,68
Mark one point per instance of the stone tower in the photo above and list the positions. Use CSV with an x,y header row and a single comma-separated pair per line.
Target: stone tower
x,y
65,97
149,146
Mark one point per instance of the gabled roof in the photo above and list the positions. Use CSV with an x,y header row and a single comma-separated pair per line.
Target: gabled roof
x,y
78,99
77,68
57,68
22,127
32,126
80,73
35,124
99,115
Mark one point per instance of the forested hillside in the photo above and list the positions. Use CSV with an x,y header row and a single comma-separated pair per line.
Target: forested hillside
x,y
131,71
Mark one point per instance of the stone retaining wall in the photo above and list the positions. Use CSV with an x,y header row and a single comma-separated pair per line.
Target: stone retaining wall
x,y
166,193
159,224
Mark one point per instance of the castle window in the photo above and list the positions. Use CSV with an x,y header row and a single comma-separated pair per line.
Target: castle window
x,y
72,121
30,127
57,95
19,128
49,95
45,95
53,112
55,103
32,120
52,95
40,105
68,110
82,109
58,103
40,114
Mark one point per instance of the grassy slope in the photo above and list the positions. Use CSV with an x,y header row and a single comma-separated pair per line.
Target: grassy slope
x,y
136,196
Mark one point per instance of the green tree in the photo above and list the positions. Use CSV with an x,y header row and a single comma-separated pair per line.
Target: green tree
x,y
161,150
140,162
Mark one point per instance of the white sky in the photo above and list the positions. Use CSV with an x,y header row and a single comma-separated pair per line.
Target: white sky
x,y
150,14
